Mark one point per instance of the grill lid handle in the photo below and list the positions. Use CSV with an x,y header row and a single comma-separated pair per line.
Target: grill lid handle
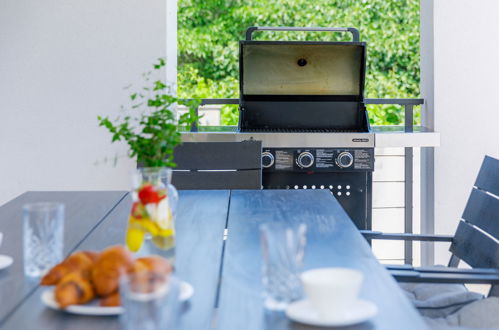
x,y
353,31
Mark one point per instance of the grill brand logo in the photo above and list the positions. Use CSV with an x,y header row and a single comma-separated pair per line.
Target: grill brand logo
x,y
360,140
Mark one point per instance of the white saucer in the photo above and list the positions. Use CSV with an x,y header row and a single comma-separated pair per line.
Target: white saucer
x,y
5,261
302,311
93,308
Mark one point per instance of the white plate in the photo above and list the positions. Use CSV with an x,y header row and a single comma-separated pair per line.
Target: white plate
x,y
5,261
93,308
303,312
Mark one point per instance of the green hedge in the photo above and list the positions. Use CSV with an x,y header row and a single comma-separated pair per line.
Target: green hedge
x,y
209,31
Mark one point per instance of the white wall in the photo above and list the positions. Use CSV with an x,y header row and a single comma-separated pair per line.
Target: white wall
x,y
466,55
62,63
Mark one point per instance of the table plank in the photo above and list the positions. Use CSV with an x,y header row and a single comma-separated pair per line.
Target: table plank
x,y
84,211
332,240
201,219
199,252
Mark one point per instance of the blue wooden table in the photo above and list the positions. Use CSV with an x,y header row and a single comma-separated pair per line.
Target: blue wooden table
x,y
226,274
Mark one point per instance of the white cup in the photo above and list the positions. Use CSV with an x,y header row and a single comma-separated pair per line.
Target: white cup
x,y
332,291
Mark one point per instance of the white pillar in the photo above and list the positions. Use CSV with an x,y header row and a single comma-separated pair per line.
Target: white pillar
x,y
466,110
171,44
427,120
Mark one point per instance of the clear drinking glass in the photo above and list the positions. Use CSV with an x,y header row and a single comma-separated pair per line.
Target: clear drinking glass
x,y
150,301
283,246
43,237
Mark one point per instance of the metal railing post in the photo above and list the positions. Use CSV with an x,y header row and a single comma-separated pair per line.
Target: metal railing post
x,y
408,185
194,125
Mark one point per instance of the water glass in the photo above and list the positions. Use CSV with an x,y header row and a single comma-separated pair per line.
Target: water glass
x,y
43,237
150,301
283,246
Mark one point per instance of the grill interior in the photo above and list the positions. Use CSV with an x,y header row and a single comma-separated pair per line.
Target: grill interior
x,y
300,130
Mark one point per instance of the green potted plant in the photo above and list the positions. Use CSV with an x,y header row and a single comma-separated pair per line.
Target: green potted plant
x,y
151,128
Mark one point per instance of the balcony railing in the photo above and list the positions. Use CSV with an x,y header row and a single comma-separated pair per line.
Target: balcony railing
x,y
408,105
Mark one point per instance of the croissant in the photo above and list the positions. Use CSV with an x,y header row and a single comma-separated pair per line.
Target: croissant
x,y
77,262
149,273
73,288
155,264
110,265
112,300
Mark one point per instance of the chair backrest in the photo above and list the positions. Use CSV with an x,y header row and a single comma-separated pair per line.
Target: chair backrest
x,y
218,165
476,238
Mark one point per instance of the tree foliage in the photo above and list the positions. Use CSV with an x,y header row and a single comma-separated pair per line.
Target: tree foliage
x,y
209,31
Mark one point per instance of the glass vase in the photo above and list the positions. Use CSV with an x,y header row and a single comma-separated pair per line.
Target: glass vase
x,y
151,224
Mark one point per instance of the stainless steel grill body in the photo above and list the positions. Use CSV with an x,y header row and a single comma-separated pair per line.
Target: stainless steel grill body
x,y
305,101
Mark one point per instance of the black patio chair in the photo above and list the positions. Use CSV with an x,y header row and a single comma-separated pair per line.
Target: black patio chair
x,y
475,241
218,165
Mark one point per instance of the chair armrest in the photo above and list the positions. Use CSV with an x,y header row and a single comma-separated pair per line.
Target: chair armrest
x,y
451,270
405,237
399,267
445,277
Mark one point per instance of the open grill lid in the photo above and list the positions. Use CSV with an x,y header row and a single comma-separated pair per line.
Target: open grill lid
x,y
302,84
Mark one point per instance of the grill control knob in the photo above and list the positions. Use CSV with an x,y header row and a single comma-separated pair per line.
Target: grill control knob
x,y
267,159
344,159
305,159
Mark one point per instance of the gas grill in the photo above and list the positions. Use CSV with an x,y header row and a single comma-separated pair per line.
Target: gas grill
x,y
317,88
